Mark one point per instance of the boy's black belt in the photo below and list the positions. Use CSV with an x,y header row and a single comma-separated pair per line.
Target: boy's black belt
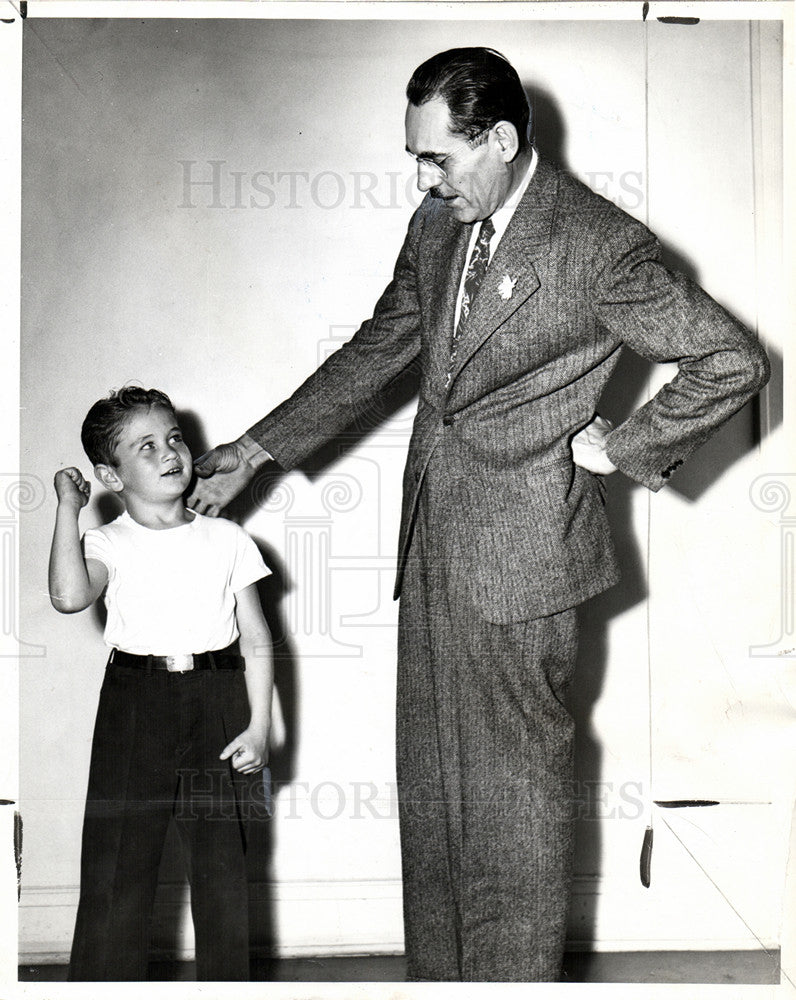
x,y
216,659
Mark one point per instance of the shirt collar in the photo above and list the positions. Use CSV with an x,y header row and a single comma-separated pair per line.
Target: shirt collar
x,y
502,217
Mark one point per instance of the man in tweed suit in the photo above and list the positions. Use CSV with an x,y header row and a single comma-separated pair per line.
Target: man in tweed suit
x,y
503,532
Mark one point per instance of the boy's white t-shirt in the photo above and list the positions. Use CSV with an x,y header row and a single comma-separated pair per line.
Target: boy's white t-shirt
x,y
172,591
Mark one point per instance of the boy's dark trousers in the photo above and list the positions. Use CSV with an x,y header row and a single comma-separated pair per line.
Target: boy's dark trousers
x,y
156,744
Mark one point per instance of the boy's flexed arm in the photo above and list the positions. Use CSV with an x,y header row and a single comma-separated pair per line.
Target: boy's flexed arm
x,y
75,582
249,750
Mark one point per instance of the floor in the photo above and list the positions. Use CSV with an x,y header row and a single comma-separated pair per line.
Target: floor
x,y
720,967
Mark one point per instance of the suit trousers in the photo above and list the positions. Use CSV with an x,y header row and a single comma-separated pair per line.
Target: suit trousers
x,y
484,765
155,755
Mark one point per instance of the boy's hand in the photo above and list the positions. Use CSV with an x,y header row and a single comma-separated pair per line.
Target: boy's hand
x,y
249,751
72,488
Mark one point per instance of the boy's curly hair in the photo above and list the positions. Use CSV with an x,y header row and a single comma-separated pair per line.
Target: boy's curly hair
x,y
105,420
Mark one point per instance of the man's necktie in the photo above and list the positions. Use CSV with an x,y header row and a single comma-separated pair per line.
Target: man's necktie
x,y
476,269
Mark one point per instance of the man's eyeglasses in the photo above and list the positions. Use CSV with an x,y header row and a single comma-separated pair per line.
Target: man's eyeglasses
x,y
438,163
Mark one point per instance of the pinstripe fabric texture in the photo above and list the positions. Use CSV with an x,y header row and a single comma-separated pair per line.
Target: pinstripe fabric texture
x,y
484,767
528,374
502,536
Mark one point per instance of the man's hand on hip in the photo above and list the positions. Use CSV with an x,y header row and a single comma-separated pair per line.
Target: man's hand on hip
x,y
588,447
223,472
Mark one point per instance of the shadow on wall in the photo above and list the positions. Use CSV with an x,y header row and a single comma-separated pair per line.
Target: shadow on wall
x,y
739,436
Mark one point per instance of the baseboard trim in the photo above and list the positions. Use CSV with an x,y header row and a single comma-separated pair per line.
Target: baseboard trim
x,y
323,918
302,918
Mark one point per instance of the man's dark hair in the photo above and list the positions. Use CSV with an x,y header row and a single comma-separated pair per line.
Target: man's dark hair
x,y
479,86
105,421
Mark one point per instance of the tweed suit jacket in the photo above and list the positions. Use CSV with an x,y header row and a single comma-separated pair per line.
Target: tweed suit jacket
x,y
526,531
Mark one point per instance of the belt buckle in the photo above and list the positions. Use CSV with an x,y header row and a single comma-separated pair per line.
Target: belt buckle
x,y
179,664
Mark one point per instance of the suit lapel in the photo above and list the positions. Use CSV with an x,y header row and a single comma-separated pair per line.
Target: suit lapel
x,y
445,253
511,277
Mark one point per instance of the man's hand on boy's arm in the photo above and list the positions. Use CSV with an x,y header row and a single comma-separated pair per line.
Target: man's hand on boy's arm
x,y
74,582
223,472
249,750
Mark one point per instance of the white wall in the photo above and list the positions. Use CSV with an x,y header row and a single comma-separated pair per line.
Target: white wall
x,y
226,295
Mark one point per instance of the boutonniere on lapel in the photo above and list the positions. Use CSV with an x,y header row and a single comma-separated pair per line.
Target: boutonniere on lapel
x,y
506,287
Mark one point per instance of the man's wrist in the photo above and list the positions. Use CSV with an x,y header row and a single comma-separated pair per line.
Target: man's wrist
x,y
252,452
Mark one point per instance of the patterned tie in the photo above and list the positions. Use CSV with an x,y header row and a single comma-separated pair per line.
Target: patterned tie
x,y
476,269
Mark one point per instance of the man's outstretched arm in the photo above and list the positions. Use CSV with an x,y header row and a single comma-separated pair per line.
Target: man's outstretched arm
x,y
344,386
223,472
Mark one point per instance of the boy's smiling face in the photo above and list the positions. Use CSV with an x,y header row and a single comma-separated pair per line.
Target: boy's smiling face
x,y
153,462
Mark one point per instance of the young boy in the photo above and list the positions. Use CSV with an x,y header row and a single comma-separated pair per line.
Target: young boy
x,y
182,722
